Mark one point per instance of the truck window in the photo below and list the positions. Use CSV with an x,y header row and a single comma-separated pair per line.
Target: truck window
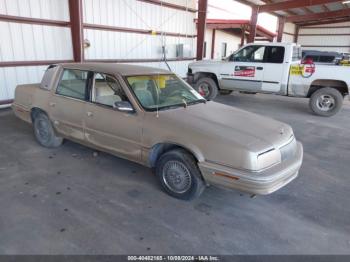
x,y
73,84
252,53
274,54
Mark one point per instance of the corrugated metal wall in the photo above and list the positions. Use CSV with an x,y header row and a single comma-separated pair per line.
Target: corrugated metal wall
x,y
22,41
29,42
288,33
328,37
138,15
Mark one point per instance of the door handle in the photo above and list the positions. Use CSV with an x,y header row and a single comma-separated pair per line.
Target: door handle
x,y
89,114
52,104
259,68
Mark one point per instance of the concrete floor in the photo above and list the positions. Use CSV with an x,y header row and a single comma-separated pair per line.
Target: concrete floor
x,y
66,201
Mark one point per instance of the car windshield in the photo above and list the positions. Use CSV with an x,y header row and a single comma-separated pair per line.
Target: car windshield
x,y
157,92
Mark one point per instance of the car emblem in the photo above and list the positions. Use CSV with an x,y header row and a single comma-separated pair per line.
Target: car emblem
x,y
282,131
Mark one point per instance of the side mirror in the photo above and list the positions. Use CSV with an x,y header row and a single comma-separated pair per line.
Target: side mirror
x,y
123,106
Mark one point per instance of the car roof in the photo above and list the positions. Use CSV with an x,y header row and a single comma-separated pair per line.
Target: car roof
x,y
114,68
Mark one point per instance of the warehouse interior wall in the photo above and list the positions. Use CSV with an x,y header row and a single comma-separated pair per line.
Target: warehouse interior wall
x,y
288,33
128,31
326,37
221,37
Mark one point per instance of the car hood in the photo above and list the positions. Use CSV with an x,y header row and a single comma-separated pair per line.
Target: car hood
x,y
220,133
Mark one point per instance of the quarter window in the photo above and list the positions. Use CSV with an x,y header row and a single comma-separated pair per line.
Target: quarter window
x,y
73,84
275,54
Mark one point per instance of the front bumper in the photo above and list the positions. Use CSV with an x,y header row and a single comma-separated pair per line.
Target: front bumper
x,y
262,183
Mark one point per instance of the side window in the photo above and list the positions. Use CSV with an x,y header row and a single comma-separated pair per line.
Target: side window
x,y
251,53
73,84
275,54
107,90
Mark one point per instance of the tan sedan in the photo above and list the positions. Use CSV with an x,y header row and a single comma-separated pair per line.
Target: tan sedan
x,y
153,117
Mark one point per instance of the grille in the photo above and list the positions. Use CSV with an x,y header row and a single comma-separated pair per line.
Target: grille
x,y
288,151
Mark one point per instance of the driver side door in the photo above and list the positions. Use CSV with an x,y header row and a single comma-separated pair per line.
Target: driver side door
x,y
107,128
244,70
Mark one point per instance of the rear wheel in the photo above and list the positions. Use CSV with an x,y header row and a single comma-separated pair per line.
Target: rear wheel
x,y
207,88
326,101
179,175
44,132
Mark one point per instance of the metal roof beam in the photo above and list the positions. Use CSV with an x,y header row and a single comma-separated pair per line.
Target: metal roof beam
x,y
318,16
280,6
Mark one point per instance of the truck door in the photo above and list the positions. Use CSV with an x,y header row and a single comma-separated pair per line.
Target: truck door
x,y
275,71
67,104
244,70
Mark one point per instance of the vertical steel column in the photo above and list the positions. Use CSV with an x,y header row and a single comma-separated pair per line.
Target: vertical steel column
x,y
76,21
281,22
296,33
253,23
202,16
213,44
242,35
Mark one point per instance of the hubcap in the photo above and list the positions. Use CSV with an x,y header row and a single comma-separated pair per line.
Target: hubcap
x,y
42,130
325,102
204,90
176,176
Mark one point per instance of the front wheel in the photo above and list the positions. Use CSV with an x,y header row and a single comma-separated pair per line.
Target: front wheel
x,y
44,132
179,175
207,88
225,92
326,101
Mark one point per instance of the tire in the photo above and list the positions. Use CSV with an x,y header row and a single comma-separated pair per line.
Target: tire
x,y
326,101
207,88
179,175
44,132
225,92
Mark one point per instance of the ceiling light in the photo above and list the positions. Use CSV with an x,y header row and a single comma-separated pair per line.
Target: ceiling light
x,y
346,2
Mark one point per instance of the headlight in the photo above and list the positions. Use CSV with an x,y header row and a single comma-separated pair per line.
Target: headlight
x,y
268,158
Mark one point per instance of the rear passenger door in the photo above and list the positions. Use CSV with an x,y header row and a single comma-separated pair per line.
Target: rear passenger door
x,y
67,105
275,72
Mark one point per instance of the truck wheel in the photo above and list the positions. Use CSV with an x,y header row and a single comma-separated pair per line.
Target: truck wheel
x,y
207,88
326,101
44,132
179,175
225,92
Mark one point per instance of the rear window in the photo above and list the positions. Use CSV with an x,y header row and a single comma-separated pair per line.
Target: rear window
x,y
274,54
73,84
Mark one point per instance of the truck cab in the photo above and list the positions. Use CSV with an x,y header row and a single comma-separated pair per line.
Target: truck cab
x,y
273,68
262,68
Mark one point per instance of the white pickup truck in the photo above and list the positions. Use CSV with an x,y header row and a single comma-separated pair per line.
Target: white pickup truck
x,y
275,68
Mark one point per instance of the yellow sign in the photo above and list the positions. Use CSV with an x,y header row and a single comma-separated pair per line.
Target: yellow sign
x,y
296,70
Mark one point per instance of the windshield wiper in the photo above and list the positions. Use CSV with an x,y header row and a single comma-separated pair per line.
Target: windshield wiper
x,y
199,101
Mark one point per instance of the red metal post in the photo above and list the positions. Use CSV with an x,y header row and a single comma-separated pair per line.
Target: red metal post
x,y
202,16
213,44
253,23
281,21
296,33
76,20
242,35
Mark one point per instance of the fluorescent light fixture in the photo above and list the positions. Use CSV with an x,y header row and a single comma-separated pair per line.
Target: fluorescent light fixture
x,y
346,2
